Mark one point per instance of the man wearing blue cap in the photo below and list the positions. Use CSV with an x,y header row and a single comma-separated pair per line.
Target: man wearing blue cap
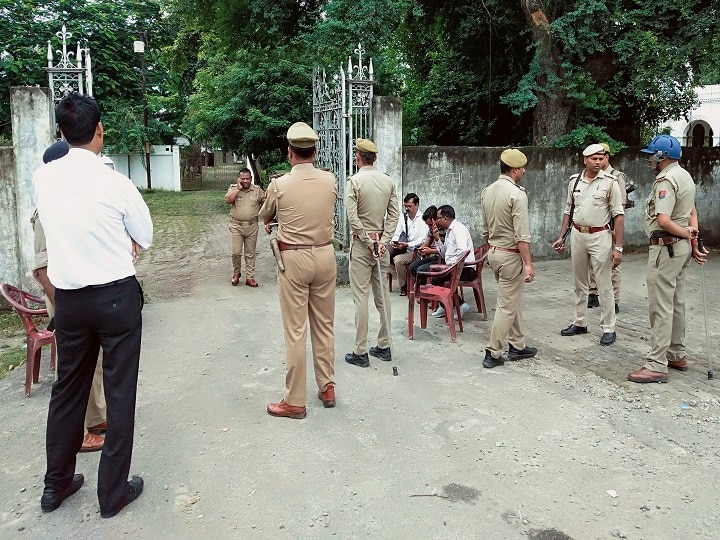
x,y
671,223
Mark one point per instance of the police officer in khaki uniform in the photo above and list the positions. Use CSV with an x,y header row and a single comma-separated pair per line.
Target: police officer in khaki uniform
x,y
245,199
593,197
372,209
303,202
593,300
506,229
671,223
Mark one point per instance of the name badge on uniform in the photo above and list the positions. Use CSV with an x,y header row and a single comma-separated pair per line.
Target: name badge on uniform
x,y
661,194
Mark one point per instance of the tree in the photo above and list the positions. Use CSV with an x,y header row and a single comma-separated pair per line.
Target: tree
x,y
109,28
617,64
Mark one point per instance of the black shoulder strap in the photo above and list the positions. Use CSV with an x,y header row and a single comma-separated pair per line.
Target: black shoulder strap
x,y
572,206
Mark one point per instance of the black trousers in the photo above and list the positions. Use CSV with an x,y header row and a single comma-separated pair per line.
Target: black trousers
x,y
85,319
422,265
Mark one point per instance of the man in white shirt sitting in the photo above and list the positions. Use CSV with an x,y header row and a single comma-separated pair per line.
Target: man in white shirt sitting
x,y
410,233
457,241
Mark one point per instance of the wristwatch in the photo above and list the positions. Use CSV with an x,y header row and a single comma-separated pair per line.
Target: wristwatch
x,y
618,248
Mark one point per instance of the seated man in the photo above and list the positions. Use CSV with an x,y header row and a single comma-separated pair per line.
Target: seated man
x,y
428,253
457,240
410,233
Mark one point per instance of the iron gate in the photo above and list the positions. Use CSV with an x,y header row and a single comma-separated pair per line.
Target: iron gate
x,y
342,113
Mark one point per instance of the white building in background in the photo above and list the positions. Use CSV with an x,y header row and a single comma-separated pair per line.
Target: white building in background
x,y
702,126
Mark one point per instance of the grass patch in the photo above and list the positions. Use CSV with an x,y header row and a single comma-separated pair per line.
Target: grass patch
x,y
11,358
10,324
185,203
182,218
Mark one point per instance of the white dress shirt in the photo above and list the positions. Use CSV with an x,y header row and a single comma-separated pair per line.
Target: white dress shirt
x,y
417,230
89,213
457,241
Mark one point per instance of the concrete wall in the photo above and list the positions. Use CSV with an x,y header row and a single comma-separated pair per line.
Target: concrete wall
x,y
9,271
457,175
31,113
164,167
387,135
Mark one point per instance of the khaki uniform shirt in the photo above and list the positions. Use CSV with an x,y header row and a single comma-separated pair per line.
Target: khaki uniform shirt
x,y
595,202
505,213
303,201
372,205
673,194
246,206
621,180
41,257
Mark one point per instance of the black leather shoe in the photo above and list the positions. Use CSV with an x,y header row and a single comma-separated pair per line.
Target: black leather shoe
x,y
608,338
360,360
617,309
518,354
593,300
135,488
490,362
382,354
52,498
573,330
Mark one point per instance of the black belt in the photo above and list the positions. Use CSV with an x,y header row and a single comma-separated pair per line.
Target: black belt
x,y
110,284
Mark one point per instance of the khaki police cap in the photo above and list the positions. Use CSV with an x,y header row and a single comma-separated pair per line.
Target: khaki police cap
x,y
366,145
512,157
593,149
300,135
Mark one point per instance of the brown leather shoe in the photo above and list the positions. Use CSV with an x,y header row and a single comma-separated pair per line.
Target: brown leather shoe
x,y
328,396
98,429
285,410
680,365
251,282
235,279
92,443
645,375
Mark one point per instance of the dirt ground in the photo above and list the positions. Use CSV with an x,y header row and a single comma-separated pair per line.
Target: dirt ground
x,y
556,447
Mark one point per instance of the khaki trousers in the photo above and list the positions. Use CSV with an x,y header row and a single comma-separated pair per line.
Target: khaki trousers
x,y
666,304
616,280
363,275
401,263
508,269
593,250
244,239
96,412
307,293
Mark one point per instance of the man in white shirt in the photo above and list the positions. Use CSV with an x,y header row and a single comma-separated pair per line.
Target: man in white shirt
x,y
457,241
410,233
92,215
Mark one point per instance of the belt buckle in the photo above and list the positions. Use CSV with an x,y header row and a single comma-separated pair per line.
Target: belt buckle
x,y
584,229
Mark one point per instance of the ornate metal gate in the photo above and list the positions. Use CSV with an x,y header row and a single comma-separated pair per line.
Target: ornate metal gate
x,y
342,113
67,76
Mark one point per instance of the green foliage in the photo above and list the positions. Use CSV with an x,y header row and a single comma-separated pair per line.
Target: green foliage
x,y
583,136
109,27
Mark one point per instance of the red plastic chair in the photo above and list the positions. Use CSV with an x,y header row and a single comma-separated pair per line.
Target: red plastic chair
x,y
481,254
36,339
447,296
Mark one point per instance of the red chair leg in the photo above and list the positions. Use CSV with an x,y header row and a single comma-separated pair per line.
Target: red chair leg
x,y
423,313
53,356
29,368
411,315
450,320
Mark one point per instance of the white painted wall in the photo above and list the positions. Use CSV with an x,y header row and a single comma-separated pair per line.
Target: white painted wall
x,y
707,114
164,167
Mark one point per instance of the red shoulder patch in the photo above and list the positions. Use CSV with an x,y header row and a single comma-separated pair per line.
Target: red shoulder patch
x,y
661,194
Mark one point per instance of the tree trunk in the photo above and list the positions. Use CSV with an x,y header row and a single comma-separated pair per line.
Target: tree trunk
x,y
553,112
